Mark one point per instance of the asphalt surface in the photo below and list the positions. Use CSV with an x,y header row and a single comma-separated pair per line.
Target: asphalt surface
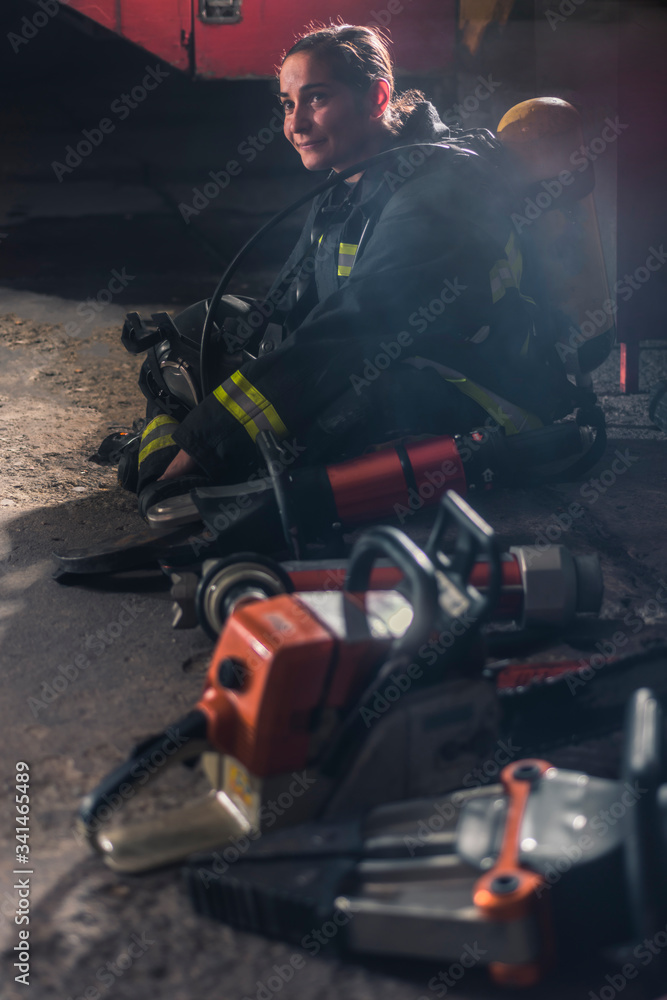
x,y
128,673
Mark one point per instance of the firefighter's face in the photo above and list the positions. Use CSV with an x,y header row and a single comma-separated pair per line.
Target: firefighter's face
x,y
328,122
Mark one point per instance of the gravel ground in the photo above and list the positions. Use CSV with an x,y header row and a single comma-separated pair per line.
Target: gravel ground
x,y
60,396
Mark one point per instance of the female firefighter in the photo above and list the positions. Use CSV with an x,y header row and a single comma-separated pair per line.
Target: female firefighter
x,y
401,308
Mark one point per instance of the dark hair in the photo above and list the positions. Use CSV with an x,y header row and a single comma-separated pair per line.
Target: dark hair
x,y
358,56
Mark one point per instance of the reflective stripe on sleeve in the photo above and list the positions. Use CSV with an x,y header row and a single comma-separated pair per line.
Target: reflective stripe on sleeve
x,y
247,405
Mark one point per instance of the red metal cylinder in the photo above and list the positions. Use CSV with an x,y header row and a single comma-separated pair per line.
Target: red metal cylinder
x,y
510,601
375,485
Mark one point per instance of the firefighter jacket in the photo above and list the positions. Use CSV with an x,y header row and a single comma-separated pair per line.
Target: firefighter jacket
x,y
416,264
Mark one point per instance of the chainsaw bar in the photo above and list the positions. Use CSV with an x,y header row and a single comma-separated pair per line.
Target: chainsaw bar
x,y
551,705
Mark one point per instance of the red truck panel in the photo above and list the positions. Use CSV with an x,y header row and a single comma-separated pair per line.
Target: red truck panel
x,y
423,31
163,27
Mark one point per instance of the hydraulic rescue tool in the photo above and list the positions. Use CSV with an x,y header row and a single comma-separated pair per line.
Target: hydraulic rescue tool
x,y
540,587
290,706
548,865
288,509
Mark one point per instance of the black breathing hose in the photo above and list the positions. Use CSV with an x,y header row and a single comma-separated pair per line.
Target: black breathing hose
x,y
205,367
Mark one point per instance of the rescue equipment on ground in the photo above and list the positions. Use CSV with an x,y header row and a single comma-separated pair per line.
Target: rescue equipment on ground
x,y
294,507
294,685
540,587
550,865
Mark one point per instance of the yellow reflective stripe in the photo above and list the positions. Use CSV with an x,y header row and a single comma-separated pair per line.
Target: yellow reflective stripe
x,y
260,401
525,420
346,254
226,400
157,434
156,445
513,418
156,422
247,405
492,408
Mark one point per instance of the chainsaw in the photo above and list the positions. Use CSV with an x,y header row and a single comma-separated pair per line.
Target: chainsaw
x,y
290,707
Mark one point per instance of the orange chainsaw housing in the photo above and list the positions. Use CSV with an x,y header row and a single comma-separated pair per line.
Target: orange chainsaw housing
x,y
290,666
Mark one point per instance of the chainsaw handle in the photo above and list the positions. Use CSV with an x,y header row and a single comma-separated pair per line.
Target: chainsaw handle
x,y
418,573
120,785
